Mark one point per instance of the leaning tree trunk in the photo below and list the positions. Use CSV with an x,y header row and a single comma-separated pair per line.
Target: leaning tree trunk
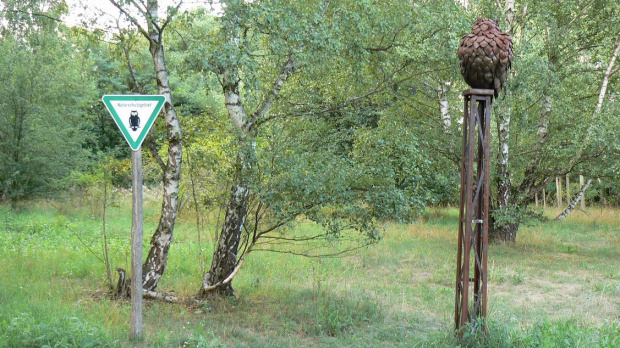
x,y
224,259
575,201
155,264
226,262
218,279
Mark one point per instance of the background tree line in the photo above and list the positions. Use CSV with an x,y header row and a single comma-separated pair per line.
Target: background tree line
x,y
345,113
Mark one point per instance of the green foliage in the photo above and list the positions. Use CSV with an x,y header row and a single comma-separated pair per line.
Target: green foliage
x,y
354,141
525,215
24,330
42,116
364,72
323,151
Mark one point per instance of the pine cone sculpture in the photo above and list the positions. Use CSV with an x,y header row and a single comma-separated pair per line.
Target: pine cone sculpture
x,y
486,56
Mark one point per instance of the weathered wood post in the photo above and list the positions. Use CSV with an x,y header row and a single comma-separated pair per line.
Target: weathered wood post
x,y
135,330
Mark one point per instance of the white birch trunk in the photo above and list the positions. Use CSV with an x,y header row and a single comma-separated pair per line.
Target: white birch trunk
x,y
608,73
444,108
226,261
581,183
532,181
505,232
577,199
510,15
464,3
601,97
558,194
602,194
543,121
224,258
157,259
503,163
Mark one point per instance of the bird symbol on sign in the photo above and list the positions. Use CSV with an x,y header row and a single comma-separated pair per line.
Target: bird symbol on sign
x,y
134,120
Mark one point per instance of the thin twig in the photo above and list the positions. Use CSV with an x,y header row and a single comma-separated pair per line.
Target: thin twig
x,y
84,244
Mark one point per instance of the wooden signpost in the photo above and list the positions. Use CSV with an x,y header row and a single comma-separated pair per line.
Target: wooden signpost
x,y
134,115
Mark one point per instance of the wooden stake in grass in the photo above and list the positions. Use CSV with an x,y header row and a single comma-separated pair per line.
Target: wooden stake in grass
x,y
567,188
558,186
135,331
106,254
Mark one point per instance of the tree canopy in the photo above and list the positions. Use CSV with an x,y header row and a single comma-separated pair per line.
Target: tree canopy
x,y
346,113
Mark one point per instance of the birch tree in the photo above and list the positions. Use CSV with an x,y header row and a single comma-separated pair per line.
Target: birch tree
x,y
224,262
507,230
296,141
546,116
238,40
599,104
155,264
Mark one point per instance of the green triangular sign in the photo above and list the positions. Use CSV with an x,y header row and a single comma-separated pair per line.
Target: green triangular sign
x,y
134,115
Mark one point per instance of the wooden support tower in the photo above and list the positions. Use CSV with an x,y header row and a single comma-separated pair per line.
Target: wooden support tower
x,y
471,276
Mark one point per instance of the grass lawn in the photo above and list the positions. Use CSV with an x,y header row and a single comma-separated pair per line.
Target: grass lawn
x,y
558,286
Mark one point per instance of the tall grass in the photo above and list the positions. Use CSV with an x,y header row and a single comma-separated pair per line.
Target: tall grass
x,y
559,286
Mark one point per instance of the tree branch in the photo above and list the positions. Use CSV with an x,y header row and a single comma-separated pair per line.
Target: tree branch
x,y
169,18
304,254
132,71
152,144
131,18
37,14
599,103
285,73
392,44
608,73
155,295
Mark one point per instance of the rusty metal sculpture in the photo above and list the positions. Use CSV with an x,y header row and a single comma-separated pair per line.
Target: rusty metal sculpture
x,y
486,56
